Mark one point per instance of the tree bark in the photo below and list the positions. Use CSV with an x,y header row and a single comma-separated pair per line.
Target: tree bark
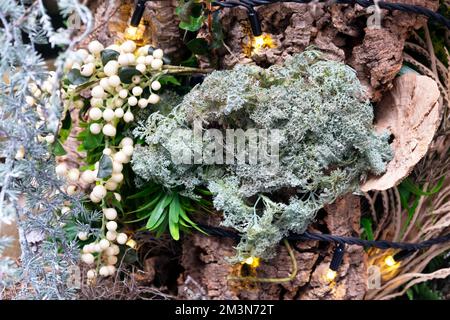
x,y
205,264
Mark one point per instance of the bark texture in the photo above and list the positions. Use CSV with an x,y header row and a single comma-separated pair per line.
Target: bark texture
x,y
351,34
206,268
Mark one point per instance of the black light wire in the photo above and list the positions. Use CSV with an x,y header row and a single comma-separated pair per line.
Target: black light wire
x,y
406,247
251,4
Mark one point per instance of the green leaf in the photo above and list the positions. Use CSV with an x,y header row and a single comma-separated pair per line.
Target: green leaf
x,y
159,222
148,205
198,46
217,32
367,226
158,211
66,126
174,210
169,79
108,55
105,167
411,187
174,230
74,76
58,149
145,192
184,216
91,141
193,24
126,74
162,228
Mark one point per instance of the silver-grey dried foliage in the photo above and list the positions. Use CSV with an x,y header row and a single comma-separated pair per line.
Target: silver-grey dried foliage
x,y
326,147
30,192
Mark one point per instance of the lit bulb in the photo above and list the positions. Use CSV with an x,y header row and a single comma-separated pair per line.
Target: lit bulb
x,y
330,275
390,261
135,33
252,261
131,243
263,41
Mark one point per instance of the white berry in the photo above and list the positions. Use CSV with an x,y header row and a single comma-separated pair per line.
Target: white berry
x,y
108,114
82,235
148,60
128,116
110,213
140,60
118,113
111,235
95,128
131,58
123,93
142,103
114,81
123,59
94,199
111,185
104,83
128,150
117,196
87,258
71,190
96,102
128,46
132,101
87,69
104,244
112,260
118,102
158,54
111,68
95,114
126,141
73,175
141,67
136,79
61,169
111,226
137,91
95,47
99,191
117,177
122,238
153,99
109,130
157,64
156,85
120,157
88,176
117,167
97,92
104,271
91,274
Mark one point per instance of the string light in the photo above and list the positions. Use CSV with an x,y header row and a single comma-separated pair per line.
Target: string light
x,y
263,41
255,24
252,262
330,275
131,243
138,13
390,261
135,31
336,262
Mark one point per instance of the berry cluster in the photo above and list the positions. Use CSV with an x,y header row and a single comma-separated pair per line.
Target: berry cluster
x,y
111,99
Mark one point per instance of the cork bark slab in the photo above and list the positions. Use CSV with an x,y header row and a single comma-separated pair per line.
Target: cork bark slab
x,y
204,261
410,112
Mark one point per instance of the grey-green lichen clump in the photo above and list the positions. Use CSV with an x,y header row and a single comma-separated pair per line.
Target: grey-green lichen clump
x,y
326,146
